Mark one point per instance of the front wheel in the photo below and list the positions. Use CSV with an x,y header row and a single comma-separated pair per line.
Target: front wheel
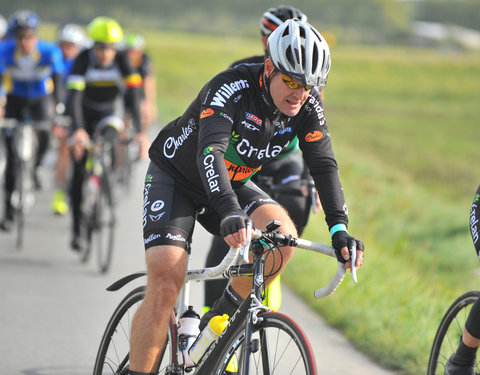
x,y
449,333
282,347
113,353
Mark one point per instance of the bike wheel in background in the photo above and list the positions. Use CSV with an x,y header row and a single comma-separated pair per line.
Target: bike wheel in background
x,y
450,332
87,221
18,197
104,224
283,348
113,353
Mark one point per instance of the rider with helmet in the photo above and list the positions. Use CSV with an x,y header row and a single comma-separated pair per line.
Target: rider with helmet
x,y
204,159
463,359
100,83
71,39
34,71
286,170
141,63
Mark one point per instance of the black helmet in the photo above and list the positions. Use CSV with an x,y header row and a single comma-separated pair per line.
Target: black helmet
x,y
274,17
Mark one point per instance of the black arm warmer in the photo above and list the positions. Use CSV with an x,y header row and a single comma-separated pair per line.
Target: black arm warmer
x,y
132,102
58,88
74,109
474,221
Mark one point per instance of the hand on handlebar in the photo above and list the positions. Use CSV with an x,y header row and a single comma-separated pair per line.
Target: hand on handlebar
x,y
80,141
341,242
144,144
233,229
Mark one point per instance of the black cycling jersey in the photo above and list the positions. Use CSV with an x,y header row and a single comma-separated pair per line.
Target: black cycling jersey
x,y
232,128
98,88
249,61
144,68
474,221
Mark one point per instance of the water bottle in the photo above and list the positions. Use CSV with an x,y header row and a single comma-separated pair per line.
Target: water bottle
x,y
210,333
187,333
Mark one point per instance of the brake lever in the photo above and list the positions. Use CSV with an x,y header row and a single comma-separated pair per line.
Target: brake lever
x,y
353,258
244,250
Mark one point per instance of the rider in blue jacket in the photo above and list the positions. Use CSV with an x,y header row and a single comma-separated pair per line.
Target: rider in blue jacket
x,y
32,71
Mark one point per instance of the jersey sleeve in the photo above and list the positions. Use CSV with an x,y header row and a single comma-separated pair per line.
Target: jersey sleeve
x,y
474,221
76,79
316,145
58,66
130,77
3,57
132,81
220,98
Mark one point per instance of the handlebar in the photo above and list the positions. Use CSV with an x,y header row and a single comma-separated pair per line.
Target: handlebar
x,y
279,239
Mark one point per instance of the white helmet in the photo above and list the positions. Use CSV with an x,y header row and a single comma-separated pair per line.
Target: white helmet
x,y
3,26
72,33
301,52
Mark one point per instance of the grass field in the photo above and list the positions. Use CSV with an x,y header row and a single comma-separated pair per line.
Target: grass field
x,y
404,127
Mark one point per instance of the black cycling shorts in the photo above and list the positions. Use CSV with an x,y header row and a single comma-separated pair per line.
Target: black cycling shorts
x,y
39,109
169,209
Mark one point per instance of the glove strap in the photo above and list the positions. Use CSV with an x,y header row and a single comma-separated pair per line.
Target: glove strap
x,y
337,228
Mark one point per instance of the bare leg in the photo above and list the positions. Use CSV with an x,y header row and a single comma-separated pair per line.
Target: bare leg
x,y
261,217
63,163
469,340
166,267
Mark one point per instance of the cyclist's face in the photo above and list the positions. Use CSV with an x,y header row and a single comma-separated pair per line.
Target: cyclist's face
x,y
288,101
69,50
26,40
105,53
135,56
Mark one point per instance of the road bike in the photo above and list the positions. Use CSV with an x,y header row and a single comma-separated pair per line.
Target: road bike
x,y
25,145
256,339
97,226
129,155
449,333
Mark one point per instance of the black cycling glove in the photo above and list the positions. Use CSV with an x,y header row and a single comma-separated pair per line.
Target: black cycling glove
x,y
341,239
233,223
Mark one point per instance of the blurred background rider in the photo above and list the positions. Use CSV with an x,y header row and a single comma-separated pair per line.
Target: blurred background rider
x,y
71,39
33,70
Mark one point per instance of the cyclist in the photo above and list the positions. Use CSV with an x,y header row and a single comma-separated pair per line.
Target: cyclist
x,y
462,361
34,70
100,79
141,63
205,158
71,39
286,169
3,32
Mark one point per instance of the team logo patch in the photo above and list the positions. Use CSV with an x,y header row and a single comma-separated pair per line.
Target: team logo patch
x,y
252,117
207,150
314,136
239,172
155,218
206,112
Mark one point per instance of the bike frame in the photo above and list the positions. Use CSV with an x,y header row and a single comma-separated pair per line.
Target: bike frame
x,y
251,309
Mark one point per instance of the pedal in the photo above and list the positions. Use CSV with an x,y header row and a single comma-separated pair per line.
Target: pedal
x,y
173,370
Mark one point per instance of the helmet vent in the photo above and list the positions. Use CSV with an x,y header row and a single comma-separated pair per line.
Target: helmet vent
x,y
289,56
315,59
